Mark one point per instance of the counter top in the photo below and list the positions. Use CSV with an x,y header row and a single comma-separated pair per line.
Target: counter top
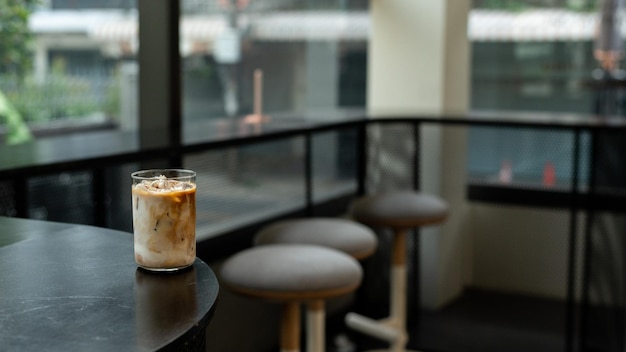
x,y
66,287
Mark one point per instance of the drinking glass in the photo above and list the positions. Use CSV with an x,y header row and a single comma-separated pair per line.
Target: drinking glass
x,y
164,218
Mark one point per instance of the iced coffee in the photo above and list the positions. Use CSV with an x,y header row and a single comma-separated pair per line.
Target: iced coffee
x,y
164,218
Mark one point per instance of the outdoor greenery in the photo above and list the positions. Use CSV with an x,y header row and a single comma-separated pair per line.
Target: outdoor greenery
x,y
60,96
63,96
24,99
521,5
15,62
15,38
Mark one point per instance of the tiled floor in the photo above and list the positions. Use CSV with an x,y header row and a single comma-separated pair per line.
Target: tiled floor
x,y
481,321
484,321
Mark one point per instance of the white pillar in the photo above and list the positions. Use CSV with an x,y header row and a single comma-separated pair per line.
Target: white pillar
x,y
128,96
418,63
40,63
322,72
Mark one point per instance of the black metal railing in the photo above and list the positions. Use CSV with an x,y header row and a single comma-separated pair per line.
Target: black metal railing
x,y
272,173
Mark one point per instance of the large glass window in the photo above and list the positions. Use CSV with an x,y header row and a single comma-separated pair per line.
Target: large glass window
x,y
531,56
75,88
250,62
310,55
68,77
71,67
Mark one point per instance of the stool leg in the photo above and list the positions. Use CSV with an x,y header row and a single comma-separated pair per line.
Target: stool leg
x,y
393,328
316,326
398,288
290,327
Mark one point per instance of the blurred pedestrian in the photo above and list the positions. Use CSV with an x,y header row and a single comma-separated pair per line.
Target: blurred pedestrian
x,y
609,81
609,46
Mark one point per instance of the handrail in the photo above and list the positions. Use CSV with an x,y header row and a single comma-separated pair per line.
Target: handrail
x,y
18,163
22,159
110,148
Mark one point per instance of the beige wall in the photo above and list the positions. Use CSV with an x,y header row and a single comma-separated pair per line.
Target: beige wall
x,y
419,59
419,63
522,250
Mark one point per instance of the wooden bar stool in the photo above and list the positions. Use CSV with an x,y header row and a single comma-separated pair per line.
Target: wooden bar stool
x,y
399,211
348,236
293,274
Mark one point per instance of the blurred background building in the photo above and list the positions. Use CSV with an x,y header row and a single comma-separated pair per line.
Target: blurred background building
x,y
80,74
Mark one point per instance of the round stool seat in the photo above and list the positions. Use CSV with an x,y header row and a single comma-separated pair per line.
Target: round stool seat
x,y
291,272
399,209
347,236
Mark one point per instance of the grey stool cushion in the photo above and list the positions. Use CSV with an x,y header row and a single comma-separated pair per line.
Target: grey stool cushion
x,y
291,271
399,209
345,235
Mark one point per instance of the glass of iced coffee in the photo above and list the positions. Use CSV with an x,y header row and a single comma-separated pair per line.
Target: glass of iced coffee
x,y
164,218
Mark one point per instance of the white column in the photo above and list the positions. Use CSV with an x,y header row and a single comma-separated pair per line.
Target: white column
x,y
40,63
322,72
418,63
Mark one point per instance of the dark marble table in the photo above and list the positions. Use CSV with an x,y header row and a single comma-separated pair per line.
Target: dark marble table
x,y
66,287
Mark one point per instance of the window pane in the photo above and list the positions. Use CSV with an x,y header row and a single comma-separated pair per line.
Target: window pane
x,y
69,67
334,168
527,158
261,61
310,55
239,186
65,197
532,56
68,76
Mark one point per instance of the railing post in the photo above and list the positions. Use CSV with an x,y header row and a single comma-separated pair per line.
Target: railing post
x,y
570,316
160,98
308,172
361,158
99,191
20,196
590,210
416,157
413,279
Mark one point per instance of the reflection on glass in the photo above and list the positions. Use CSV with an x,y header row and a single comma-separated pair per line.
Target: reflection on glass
x,y
165,304
239,186
334,164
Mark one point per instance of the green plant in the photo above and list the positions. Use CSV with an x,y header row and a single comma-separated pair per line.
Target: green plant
x,y
584,6
111,105
15,61
17,130
15,37
60,96
507,5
